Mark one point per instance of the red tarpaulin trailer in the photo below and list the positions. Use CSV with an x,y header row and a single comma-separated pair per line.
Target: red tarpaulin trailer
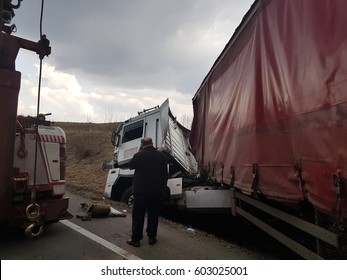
x,y
271,115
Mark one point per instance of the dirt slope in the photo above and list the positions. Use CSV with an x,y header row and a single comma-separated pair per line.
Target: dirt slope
x,y
88,146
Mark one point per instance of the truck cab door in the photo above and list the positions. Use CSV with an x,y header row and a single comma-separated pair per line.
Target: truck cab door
x,y
130,141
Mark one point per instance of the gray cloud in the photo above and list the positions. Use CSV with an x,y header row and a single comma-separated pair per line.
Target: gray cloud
x,y
131,41
134,44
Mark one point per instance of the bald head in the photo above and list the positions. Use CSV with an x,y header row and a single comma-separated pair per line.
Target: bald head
x,y
147,141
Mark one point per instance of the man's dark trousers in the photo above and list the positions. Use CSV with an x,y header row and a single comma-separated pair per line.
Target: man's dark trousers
x,y
141,203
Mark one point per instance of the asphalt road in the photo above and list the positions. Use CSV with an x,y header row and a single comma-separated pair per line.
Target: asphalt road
x,y
105,239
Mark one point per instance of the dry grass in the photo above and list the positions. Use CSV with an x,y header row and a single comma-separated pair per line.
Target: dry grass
x,y
88,146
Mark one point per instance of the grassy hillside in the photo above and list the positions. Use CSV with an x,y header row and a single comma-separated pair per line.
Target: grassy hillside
x,y
88,146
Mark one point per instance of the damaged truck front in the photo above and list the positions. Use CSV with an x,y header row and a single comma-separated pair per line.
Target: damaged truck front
x,y
170,137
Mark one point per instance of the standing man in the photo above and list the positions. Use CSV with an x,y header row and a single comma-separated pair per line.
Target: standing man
x,y
149,182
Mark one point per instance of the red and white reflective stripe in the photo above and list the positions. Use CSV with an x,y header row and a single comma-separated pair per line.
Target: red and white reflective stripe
x,y
52,138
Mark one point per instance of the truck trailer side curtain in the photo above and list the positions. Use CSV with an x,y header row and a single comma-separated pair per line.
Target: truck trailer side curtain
x,y
276,97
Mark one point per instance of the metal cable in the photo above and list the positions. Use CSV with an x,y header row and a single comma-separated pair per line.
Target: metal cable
x,y
38,99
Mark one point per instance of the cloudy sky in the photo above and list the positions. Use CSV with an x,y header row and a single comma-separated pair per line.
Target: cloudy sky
x,y
113,58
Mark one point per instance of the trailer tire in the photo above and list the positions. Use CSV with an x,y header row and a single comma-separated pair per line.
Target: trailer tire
x,y
127,197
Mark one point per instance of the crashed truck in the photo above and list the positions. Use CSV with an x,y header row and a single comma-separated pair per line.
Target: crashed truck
x,y
270,126
187,189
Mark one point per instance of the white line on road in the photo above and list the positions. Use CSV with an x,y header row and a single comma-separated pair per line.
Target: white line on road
x,y
101,241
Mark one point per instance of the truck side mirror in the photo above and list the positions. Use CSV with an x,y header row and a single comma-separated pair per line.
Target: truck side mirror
x,y
115,138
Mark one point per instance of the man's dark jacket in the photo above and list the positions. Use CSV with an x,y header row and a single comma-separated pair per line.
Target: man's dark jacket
x,y
150,171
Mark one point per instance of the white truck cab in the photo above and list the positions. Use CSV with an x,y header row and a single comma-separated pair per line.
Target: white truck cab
x,y
172,139
168,136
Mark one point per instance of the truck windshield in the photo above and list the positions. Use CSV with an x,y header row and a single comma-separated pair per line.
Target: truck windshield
x,y
133,131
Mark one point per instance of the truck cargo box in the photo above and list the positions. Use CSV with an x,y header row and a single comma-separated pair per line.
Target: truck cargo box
x,y
270,117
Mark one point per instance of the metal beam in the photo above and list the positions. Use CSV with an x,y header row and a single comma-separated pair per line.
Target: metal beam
x,y
290,243
312,229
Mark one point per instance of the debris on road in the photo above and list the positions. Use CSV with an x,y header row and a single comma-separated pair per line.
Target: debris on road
x,y
99,210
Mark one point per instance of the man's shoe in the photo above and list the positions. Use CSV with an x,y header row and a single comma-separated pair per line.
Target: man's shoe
x,y
152,241
133,243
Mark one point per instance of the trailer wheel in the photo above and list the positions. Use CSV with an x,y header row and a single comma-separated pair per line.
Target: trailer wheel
x,y
127,197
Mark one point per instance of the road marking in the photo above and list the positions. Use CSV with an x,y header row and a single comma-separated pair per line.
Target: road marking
x,y
103,242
